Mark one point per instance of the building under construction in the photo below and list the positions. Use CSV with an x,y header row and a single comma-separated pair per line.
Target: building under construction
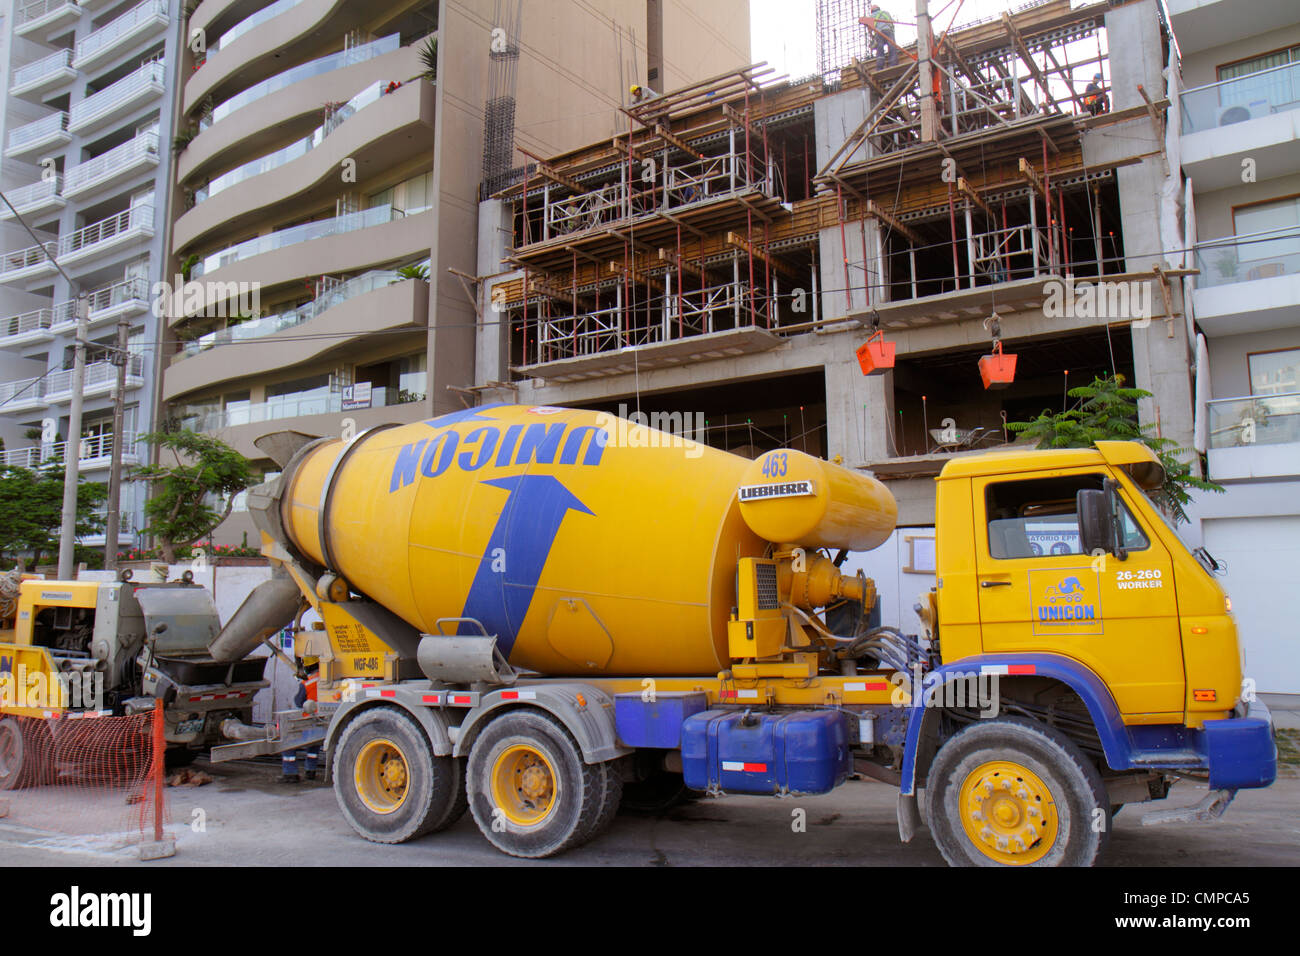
x,y
729,251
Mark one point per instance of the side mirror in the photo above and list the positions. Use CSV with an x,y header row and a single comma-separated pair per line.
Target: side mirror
x,y
1096,521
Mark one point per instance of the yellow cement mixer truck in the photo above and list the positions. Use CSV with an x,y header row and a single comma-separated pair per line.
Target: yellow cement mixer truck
x,y
535,613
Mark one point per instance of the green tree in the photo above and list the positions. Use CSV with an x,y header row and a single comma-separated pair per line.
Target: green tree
x,y
178,509
31,511
1107,411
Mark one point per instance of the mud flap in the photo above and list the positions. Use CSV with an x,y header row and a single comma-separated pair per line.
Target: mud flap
x,y
909,817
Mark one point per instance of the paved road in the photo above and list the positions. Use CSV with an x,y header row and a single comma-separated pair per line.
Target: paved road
x,y
253,819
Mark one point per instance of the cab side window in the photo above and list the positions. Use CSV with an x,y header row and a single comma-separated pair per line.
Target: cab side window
x,y
1039,517
1029,519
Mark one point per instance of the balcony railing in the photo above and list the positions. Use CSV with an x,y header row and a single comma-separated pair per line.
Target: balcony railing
x,y
296,234
27,15
270,324
292,407
112,98
59,383
256,19
21,260
137,20
326,64
34,196
135,289
294,150
85,239
93,448
30,135
22,393
1258,255
1242,98
106,165
1255,420
25,324
40,71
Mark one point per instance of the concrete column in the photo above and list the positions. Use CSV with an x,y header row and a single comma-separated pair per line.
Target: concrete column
x,y
859,412
492,338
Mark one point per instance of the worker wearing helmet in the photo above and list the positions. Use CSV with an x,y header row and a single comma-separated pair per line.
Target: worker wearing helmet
x,y
1094,97
883,46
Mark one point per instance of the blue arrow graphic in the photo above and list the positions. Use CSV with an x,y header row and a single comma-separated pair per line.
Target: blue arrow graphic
x,y
522,540
468,415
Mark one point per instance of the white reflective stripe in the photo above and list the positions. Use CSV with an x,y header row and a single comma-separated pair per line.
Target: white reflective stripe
x,y
732,765
855,685
372,692
994,669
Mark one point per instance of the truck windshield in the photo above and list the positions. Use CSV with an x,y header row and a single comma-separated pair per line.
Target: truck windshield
x,y
1203,556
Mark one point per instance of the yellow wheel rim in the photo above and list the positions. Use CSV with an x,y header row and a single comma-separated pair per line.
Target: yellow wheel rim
x,y
382,776
1008,813
524,785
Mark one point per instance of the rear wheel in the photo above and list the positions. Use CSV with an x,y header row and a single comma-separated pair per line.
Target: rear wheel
x,y
24,752
1014,793
388,782
531,792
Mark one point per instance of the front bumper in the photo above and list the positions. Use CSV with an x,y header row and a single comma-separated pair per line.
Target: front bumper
x,y
1241,751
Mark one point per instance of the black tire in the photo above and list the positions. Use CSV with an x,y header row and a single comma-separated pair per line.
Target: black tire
x,y
14,755
557,799
657,794
459,801
1065,813
408,790
611,795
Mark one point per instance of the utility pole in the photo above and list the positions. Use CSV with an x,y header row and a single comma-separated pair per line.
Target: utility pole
x,y
926,73
72,453
120,359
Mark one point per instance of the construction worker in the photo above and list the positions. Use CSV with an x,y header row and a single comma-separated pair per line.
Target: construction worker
x,y
307,758
1094,97
883,46
642,93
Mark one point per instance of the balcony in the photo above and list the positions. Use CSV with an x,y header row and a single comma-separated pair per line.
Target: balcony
x,y
101,378
28,263
306,232
25,394
1255,436
41,197
368,308
1248,283
1257,115
326,64
114,101
26,328
95,453
291,407
294,150
107,169
44,16
136,24
1204,24
126,298
105,235
248,23
34,138
40,76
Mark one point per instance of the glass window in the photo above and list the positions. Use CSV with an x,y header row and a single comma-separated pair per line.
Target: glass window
x,y
1039,517
1274,373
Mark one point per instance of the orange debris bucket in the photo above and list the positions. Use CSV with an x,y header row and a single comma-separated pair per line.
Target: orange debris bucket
x,y
876,355
999,369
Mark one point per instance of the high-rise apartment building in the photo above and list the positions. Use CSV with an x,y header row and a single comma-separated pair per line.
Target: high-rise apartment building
x,y
86,123
326,196
1239,119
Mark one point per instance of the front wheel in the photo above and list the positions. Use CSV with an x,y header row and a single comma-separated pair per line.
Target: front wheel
x,y
1015,793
